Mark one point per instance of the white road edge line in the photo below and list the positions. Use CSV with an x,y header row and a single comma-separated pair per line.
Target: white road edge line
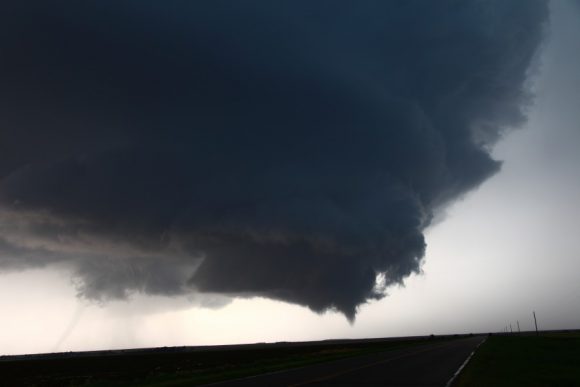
x,y
309,365
456,374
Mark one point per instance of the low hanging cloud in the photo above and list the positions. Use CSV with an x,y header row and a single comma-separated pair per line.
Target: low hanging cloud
x,y
290,150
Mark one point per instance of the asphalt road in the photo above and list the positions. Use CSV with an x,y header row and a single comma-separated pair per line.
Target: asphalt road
x,y
424,365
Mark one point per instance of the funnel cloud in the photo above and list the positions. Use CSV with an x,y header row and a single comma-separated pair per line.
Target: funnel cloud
x,y
289,150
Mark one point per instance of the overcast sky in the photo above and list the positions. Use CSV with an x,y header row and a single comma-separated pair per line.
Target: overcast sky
x,y
500,242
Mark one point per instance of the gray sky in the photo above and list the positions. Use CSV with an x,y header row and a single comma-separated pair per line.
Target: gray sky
x,y
505,249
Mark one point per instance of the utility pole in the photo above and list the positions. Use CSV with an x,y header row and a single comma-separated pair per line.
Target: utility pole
x,y
536,322
519,327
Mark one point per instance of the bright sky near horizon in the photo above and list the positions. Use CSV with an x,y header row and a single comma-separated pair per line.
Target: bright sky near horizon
x,y
505,249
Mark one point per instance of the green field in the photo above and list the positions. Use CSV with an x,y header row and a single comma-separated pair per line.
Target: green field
x,y
547,360
187,366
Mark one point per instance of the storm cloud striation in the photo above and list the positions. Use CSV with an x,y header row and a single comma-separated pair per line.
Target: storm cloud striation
x,y
291,150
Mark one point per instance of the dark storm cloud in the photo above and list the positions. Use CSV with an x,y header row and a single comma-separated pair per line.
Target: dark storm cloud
x,y
291,150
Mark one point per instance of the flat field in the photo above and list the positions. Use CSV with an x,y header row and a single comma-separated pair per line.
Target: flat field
x,y
186,365
552,359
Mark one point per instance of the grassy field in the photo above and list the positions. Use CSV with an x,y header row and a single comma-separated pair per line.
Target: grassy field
x,y
187,366
547,360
